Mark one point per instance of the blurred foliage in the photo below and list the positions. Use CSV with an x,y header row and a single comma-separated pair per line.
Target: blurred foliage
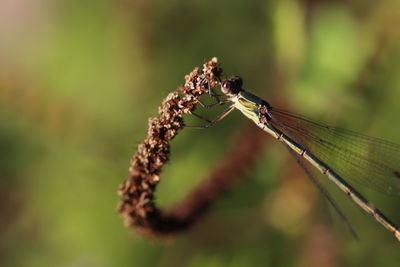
x,y
78,80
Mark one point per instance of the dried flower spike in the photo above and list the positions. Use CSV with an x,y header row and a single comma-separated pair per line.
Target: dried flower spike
x,y
136,205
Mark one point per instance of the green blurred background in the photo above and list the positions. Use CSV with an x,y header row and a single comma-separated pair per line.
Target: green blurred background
x,y
79,79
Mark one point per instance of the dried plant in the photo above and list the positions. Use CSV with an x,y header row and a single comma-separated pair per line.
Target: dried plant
x,y
137,191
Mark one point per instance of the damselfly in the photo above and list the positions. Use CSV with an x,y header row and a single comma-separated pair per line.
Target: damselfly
x,y
337,153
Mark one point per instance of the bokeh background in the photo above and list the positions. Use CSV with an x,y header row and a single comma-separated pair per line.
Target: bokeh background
x,y
79,79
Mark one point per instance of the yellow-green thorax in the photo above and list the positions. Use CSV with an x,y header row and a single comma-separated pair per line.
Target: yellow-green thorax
x,y
248,104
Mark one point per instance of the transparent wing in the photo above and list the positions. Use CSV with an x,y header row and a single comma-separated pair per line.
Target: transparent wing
x,y
365,160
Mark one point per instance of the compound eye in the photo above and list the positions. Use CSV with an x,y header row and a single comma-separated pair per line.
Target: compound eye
x,y
226,87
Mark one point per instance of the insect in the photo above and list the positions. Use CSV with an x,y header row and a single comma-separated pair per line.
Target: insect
x,y
339,154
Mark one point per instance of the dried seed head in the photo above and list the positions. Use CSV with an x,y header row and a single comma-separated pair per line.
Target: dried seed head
x,y
136,205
